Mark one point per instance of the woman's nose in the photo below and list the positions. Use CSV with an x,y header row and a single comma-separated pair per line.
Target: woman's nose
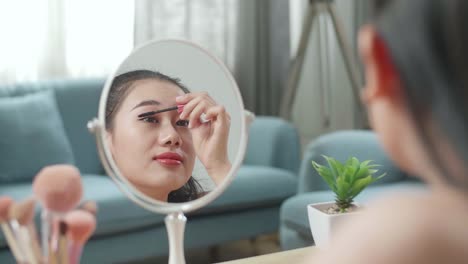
x,y
170,137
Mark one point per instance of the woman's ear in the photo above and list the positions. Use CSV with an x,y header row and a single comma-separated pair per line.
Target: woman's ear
x,y
382,78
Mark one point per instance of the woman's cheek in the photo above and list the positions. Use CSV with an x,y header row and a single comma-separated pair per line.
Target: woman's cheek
x,y
187,141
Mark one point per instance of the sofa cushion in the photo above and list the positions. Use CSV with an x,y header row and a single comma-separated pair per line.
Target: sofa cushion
x,y
35,136
294,210
279,147
116,212
78,102
254,186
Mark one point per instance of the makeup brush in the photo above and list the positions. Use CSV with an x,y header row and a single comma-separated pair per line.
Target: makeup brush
x,y
177,107
62,251
54,234
5,204
20,216
89,206
59,189
52,246
51,256
27,221
81,225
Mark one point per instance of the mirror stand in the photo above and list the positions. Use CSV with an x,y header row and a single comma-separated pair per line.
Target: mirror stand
x,y
175,225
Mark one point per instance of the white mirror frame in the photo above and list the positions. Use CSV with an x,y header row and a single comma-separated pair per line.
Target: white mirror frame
x,y
97,126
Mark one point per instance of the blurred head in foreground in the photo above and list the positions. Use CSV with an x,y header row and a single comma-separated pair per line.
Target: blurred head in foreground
x,y
416,90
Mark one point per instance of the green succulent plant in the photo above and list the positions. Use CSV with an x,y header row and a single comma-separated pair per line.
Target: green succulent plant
x,y
347,180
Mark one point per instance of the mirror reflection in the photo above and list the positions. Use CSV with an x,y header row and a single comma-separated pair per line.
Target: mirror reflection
x,y
158,128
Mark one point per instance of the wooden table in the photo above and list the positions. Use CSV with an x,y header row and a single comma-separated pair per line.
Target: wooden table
x,y
289,256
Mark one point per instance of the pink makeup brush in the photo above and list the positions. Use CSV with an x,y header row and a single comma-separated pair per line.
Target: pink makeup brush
x,y
21,216
89,206
180,108
62,249
81,225
59,189
5,204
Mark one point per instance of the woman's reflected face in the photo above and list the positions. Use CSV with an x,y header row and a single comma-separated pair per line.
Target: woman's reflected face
x,y
154,153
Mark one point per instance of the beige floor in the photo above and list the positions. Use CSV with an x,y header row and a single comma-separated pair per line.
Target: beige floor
x,y
234,250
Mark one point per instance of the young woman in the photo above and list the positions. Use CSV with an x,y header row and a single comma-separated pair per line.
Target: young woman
x,y
416,66
156,151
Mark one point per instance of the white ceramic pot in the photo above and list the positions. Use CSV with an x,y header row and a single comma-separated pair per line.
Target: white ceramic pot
x,y
322,224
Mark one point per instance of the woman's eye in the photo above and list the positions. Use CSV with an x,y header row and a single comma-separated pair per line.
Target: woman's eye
x,y
182,123
149,120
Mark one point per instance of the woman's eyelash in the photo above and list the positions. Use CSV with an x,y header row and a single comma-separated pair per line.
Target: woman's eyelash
x,y
149,119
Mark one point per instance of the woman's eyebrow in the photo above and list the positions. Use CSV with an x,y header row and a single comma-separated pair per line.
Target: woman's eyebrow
x,y
147,102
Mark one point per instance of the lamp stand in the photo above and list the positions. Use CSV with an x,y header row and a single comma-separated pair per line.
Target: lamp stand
x,y
313,10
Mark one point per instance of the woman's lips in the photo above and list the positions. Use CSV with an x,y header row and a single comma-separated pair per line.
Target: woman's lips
x,y
169,158
169,162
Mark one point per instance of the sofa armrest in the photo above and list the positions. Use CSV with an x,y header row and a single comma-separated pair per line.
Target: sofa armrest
x,y
273,142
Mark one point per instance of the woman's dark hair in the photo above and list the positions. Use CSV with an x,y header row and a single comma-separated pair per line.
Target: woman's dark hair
x,y
428,41
120,88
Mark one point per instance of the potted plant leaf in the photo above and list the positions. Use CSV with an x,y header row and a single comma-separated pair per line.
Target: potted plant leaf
x,y
347,181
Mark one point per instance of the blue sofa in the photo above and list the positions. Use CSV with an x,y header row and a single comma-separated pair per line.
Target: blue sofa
x,y
294,227
45,123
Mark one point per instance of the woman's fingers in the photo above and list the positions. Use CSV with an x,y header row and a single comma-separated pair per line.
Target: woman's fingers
x,y
194,106
191,100
184,99
214,113
217,112
194,118
188,107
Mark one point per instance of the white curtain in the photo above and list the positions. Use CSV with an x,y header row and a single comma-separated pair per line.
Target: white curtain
x,y
44,39
210,23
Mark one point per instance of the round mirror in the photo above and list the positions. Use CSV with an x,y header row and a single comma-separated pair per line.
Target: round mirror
x,y
171,126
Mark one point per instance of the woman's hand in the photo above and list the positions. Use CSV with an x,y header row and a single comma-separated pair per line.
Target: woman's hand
x,y
209,139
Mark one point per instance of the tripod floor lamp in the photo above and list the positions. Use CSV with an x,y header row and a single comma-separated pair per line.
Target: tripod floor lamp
x,y
313,10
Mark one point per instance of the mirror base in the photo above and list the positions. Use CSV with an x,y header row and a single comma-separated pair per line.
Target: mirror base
x,y
175,224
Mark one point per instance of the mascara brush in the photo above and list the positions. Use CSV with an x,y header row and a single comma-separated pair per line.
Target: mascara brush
x,y
177,107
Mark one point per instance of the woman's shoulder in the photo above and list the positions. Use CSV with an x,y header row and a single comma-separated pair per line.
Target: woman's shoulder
x,y
425,228
408,228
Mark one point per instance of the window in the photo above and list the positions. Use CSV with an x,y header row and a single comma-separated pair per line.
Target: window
x,y
44,39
